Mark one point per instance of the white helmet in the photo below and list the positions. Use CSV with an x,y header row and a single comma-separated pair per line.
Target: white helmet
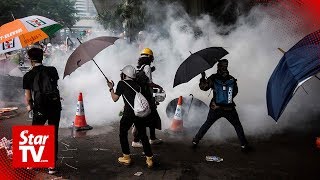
x,y
129,71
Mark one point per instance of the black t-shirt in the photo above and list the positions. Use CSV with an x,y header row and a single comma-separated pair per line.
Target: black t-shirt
x,y
29,76
124,90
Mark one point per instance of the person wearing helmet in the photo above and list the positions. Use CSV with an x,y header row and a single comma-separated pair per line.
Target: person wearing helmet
x,y
153,120
125,88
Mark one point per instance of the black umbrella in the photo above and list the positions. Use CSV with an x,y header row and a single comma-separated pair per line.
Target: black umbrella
x,y
197,63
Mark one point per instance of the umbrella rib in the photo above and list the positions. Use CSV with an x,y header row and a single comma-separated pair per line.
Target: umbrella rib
x,y
96,65
304,89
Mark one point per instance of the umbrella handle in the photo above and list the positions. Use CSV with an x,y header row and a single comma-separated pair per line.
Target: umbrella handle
x,y
100,70
190,103
96,65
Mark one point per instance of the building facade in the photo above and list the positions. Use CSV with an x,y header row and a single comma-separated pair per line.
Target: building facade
x,y
85,9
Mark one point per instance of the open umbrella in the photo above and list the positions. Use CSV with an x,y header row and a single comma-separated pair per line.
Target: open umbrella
x,y
197,63
25,31
86,52
297,65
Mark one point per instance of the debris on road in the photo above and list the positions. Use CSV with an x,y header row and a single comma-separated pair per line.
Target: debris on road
x,y
65,144
214,159
70,166
57,178
62,158
7,145
67,147
6,113
100,149
138,173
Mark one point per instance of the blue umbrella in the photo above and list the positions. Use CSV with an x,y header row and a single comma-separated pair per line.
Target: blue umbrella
x,y
297,65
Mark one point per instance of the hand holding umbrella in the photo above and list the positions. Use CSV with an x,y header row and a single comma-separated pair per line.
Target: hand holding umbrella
x,y
110,84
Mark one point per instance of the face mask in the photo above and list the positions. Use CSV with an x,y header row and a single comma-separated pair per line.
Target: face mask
x,y
223,71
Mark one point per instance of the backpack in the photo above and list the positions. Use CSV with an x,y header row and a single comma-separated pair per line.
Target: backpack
x,y
143,81
224,91
46,93
141,106
141,77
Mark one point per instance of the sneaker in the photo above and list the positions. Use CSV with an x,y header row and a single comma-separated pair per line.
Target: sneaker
x,y
136,144
195,143
155,141
149,162
125,159
52,170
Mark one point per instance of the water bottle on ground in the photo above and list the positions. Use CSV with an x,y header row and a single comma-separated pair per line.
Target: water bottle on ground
x,y
214,159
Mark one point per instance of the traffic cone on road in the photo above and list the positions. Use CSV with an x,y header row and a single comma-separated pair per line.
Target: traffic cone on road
x,y
177,122
80,120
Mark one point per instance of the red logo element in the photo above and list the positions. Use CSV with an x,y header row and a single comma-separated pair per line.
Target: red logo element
x,y
33,146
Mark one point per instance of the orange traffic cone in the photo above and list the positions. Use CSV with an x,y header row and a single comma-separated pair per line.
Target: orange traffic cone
x,y
80,120
318,142
177,122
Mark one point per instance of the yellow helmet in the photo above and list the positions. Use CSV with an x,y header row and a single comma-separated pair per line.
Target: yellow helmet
x,y
146,51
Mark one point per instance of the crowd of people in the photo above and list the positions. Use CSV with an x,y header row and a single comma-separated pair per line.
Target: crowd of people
x,y
134,81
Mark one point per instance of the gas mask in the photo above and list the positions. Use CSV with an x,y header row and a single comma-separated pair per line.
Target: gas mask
x,y
223,69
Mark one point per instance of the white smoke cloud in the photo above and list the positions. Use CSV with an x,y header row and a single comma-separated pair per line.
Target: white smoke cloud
x,y
252,45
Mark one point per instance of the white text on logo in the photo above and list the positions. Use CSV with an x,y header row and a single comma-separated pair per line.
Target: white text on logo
x,y
28,145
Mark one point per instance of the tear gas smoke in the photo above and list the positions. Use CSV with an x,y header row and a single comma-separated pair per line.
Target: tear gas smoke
x,y
252,45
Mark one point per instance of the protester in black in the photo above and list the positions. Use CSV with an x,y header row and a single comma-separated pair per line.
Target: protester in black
x,y
124,89
224,88
42,95
153,120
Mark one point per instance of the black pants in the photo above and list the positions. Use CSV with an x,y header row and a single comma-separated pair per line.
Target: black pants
x,y
125,124
230,115
152,121
53,118
152,131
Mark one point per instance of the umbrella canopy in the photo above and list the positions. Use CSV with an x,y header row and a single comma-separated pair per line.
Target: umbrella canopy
x,y
86,52
297,65
25,31
197,63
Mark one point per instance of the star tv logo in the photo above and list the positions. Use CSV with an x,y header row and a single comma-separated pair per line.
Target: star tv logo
x,y
33,146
